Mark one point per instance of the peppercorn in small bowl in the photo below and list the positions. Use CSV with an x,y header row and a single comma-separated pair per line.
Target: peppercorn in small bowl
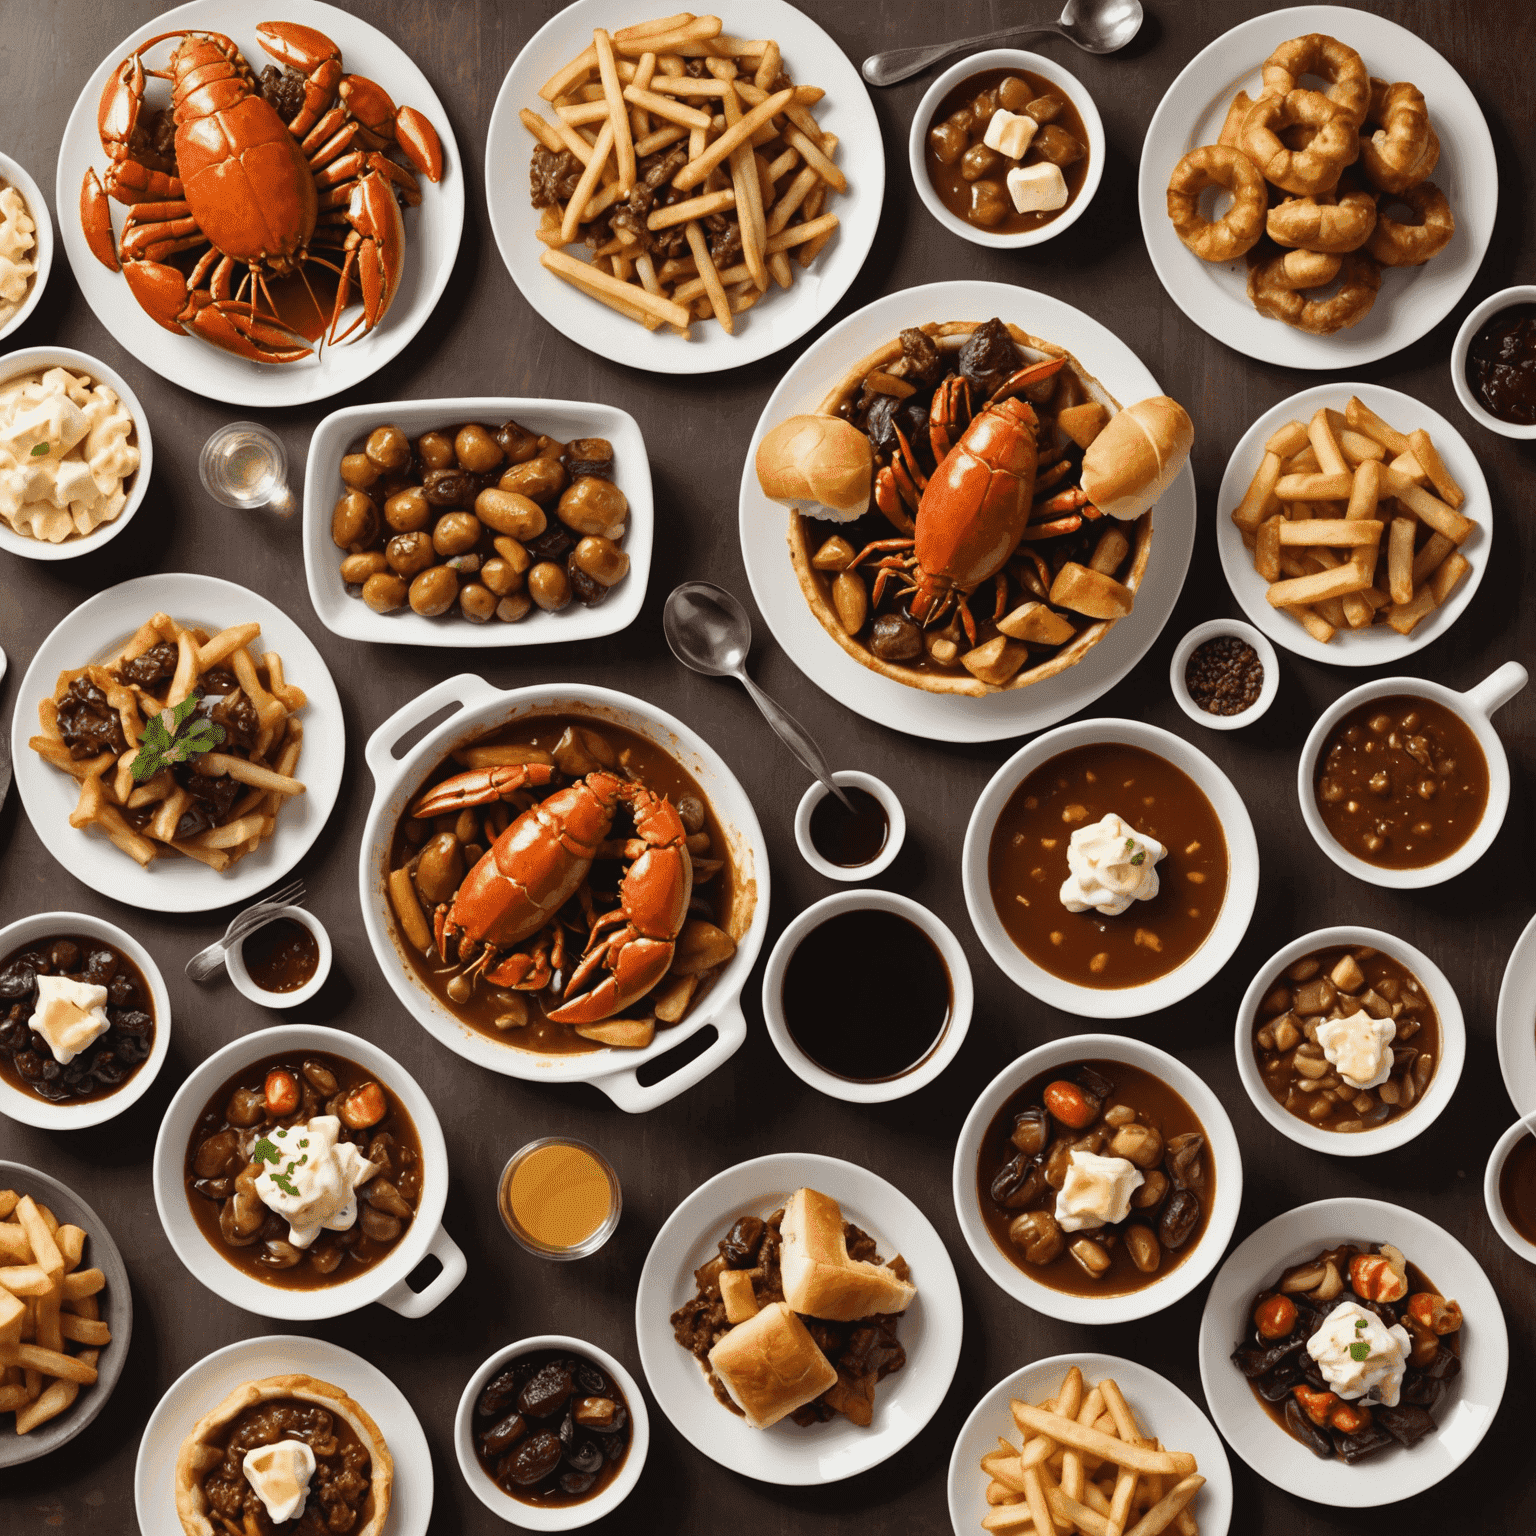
x,y
1225,674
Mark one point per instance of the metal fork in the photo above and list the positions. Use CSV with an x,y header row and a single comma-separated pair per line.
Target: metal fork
x,y
207,963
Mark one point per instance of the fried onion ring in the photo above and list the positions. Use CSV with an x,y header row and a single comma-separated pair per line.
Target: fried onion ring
x,y
1238,230
1306,269
1349,85
1231,135
1308,171
1327,222
1403,150
1394,244
1359,281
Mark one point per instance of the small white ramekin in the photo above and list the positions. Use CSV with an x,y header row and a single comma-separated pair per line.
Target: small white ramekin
x,y
1475,708
1505,298
1036,64
1214,629
1501,1223
41,254
896,826
1395,1132
564,1517
962,996
48,1116
234,963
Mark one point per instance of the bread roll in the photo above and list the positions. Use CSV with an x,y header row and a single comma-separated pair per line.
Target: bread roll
x,y
1134,459
821,466
770,1365
819,1278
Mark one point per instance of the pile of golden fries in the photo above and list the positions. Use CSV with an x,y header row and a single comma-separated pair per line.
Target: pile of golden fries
x,y
755,152
47,1302
1353,523
107,786
1085,1466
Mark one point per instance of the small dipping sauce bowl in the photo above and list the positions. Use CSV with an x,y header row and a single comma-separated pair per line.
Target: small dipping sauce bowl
x,y
268,965
850,847
1490,309
1223,629
866,1021
560,1198
1509,1190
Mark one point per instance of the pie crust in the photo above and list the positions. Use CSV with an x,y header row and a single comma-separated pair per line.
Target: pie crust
x,y
199,1453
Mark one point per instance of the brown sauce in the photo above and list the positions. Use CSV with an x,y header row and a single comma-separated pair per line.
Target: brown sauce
x,y
558,1195
1027,1178
1311,992
964,114
714,877
1027,864
224,1147
867,996
1517,1187
1402,782
281,956
849,838
1501,365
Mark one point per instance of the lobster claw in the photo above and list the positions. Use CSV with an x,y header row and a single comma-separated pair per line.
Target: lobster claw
x,y
315,57
369,104
635,963
375,253
481,786
96,221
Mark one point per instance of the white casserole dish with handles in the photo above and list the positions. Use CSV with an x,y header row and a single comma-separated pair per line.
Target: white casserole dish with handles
x,y
478,708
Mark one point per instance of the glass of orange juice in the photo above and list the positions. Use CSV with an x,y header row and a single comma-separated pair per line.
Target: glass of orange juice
x,y
559,1198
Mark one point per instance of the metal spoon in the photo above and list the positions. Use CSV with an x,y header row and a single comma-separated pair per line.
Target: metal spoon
x,y
1096,26
207,963
710,632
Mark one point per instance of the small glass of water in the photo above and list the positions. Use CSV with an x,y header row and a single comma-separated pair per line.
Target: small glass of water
x,y
244,465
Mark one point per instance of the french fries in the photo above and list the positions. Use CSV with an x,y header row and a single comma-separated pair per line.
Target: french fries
x,y
754,162
258,713
47,1303
1353,524
1085,1466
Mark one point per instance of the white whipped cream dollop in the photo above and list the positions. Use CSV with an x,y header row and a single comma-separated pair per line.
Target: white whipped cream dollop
x,y
310,1179
1359,1355
1097,1191
280,1474
1359,1048
70,1015
1112,865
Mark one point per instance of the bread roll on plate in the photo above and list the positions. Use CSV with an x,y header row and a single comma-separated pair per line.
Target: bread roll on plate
x,y
821,466
1133,460
770,1365
819,1278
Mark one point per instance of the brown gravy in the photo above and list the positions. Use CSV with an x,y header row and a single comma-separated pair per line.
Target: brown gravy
x,y
1517,1187
849,838
1402,782
281,956
1027,863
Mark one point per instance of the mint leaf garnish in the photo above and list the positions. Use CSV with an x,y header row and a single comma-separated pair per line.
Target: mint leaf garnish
x,y
174,736
265,1152
39,450
1360,1351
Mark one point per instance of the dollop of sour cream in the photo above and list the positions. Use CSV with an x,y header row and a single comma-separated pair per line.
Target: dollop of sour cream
x,y
310,1178
70,1015
1359,1048
1359,1355
1112,865
280,1474
1097,1191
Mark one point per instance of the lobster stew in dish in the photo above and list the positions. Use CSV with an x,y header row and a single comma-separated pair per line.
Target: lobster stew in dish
x,y
551,1429
1401,782
79,1018
562,883
303,1170
1352,1351
1347,1039
969,508
1108,866
1095,1179
262,257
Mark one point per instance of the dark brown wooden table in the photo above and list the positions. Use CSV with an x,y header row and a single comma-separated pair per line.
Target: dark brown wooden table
x,y
484,339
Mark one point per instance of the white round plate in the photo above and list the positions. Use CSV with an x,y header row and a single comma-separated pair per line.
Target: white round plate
x,y
1162,1410
1379,643
1517,1023
214,1377
1412,301
94,630
431,231
931,1327
1465,1412
811,57
939,716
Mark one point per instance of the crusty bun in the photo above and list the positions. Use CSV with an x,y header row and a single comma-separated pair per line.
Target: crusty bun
x,y
821,466
770,1365
1134,459
819,1278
